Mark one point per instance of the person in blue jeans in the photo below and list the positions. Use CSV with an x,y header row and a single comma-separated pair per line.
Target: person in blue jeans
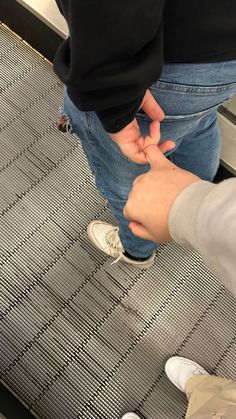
x,y
122,88
189,95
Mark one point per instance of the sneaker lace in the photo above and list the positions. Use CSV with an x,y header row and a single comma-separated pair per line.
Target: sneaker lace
x,y
113,241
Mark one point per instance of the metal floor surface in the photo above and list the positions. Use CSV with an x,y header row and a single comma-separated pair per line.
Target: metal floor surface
x,y
82,338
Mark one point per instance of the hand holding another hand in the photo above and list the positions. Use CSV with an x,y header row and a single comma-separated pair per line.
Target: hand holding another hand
x,y
153,194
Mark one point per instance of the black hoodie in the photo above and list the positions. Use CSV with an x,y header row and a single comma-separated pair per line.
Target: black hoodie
x,y
116,49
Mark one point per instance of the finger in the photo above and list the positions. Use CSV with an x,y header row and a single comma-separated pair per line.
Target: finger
x,y
153,137
140,231
154,133
151,107
166,146
155,157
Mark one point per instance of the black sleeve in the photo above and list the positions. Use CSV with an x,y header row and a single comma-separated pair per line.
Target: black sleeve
x,y
114,53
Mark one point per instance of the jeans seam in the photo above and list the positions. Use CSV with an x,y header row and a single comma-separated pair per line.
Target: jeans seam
x,y
181,118
196,89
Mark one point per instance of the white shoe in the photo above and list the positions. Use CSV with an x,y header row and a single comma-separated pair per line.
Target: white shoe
x,y
105,237
130,416
180,370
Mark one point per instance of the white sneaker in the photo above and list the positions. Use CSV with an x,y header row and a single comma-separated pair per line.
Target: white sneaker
x,y
105,237
130,416
180,370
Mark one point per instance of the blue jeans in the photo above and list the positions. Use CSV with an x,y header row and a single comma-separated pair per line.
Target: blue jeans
x,y
189,95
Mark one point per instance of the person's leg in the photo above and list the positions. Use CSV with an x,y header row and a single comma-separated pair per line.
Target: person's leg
x,y
198,142
199,152
211,397
114,173
190,95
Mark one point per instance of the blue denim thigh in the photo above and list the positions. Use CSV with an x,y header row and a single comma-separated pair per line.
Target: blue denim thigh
x,y
190,95
114,173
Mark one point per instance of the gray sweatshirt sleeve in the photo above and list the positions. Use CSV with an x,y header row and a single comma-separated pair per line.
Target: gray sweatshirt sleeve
x,y
203,218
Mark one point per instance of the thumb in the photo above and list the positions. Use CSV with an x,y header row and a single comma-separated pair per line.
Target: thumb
x,y
140,231
151,107
155,157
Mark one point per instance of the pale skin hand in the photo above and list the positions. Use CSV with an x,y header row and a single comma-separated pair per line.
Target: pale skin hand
x,y
130,140
153,195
